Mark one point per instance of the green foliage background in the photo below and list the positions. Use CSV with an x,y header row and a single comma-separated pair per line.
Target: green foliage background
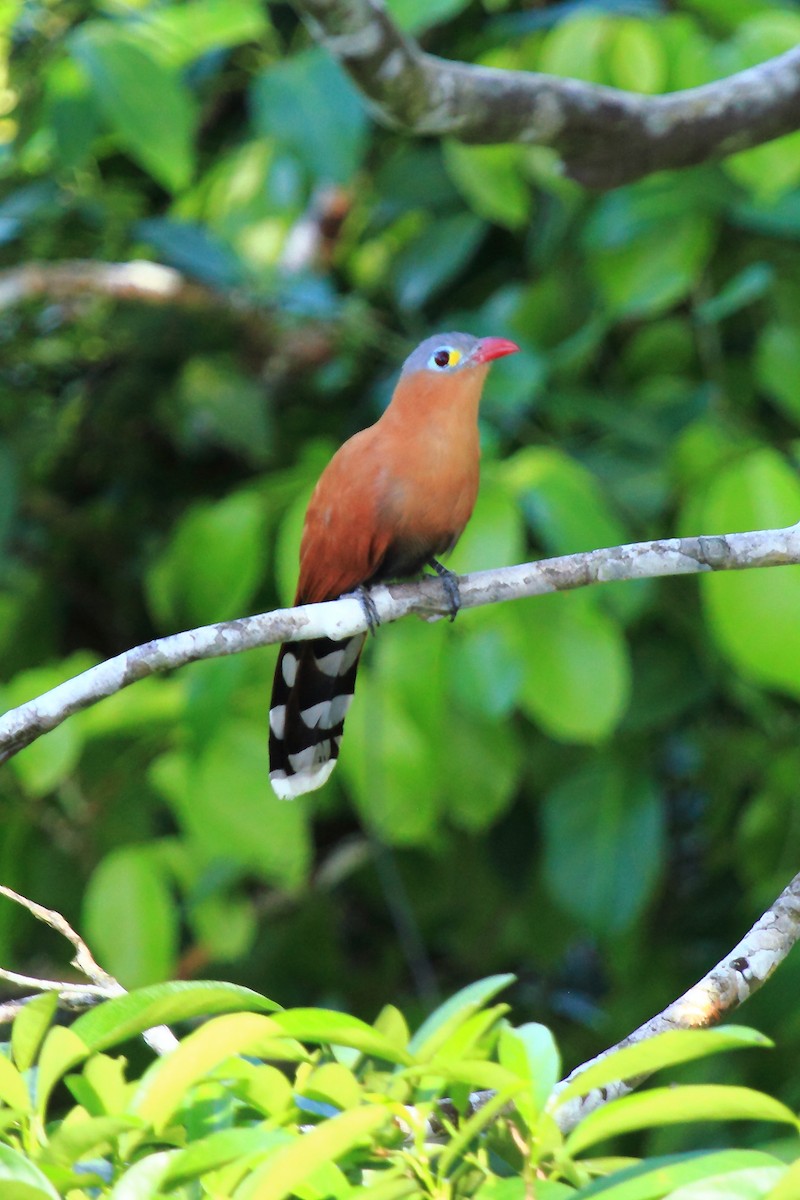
x,y
596,790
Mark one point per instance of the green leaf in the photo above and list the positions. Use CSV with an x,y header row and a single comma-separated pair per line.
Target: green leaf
x,y
562,502
13,1089
384,763
327,1026
769,171
491,181
577,670
74,1140
163,1087
434,258
752,615
142,1180
650,274
147,106
530,1052
215,1150
788,1187
671,1106
21,1180
197,251
331,1083
47,762
308,105
637,58
415,16
752,1183
485,762
61,1050
126,1016
749,284
212,564
130,917
778,366
444,1020
656,1177
667,1049
603,830
259,832
30,1026
183,34
286,1169
575,47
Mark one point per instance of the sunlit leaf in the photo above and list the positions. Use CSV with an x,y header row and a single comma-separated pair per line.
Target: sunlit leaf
x,y
670,1106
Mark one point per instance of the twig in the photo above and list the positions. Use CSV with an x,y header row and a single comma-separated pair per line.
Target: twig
x,y
74,996
339,619
605,136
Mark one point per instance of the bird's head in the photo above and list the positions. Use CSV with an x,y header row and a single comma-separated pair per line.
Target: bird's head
x,y
448,353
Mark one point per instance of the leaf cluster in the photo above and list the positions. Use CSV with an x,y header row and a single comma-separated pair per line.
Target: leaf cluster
x,y
260,1103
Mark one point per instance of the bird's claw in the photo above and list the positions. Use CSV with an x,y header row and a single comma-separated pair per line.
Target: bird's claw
x,y
368,605
450,584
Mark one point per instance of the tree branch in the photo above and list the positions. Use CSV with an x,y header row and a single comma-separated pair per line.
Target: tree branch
x,y
727,985
140,280
605,137
338,619
73,996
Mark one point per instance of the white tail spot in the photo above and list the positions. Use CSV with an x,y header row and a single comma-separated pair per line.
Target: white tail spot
x,y
277,720
326,714
289,668
339,662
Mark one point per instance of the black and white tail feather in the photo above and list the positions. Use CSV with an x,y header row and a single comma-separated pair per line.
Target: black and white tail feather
x,y
312,691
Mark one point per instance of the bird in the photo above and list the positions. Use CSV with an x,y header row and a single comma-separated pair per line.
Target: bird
x,y
393,498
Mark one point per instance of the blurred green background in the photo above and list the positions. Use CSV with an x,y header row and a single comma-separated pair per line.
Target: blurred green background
x,y
596,790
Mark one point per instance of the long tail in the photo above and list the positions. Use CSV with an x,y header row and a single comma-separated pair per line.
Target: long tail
x,y
311,693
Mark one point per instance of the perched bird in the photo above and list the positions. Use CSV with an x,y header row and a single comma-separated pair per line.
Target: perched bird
x,y
392,498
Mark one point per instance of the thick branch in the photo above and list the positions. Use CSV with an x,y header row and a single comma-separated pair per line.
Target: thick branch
x,y
339,619
605,137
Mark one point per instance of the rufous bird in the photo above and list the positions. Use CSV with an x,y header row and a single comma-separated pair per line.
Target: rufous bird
x,y
391,500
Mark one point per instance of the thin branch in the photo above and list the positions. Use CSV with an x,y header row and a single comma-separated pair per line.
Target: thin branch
x,y
73,996
339,619
139,280
727,985
605,136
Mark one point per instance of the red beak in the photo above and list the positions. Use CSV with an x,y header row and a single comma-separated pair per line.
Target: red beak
x,y
491,347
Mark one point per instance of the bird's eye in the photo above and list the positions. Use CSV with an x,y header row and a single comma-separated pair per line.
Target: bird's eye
x,y
444,357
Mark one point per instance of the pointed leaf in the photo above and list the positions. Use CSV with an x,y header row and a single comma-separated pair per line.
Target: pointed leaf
x,y
667,1049
289,1166
325,1025
672,1106
144,101
441,1023
126,1016
165,1083
30,1026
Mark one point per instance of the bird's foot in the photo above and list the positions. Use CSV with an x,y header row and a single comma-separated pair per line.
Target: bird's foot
x,y
450,584
368,604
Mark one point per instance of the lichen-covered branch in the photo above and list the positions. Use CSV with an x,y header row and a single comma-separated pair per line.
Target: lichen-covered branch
x,y
339,619
604,136
727,985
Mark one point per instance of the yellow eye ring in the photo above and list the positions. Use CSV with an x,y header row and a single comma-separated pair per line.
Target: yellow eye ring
x,y
444,358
